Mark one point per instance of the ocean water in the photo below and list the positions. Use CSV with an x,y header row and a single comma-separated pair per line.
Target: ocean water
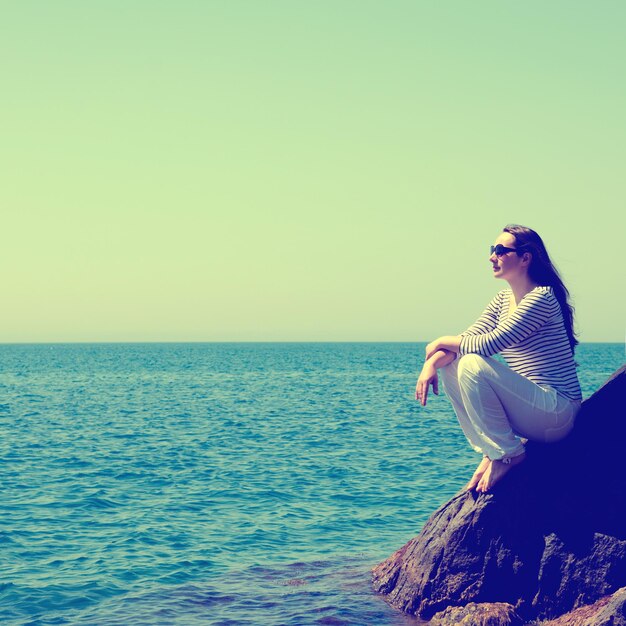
x,y
219,484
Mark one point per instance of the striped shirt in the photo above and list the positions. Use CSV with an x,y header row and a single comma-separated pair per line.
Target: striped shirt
x,y
532,339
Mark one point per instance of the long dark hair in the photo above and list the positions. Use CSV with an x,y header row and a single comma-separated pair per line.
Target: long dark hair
x,y
543,272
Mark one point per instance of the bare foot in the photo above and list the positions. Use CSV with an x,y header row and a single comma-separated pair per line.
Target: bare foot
x,y
496,470
480,470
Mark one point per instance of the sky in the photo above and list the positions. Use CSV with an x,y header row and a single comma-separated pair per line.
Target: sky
x,y
293,170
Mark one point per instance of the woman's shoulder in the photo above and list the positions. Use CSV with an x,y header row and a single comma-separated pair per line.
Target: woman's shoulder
x,y
540,292
543,290
543,294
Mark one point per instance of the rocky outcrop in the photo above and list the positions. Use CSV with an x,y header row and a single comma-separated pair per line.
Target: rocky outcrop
x,y
550,536
608,611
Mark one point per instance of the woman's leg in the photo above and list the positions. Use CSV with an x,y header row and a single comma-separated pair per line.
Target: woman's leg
x,y
496,406
450,380
450,383
503,406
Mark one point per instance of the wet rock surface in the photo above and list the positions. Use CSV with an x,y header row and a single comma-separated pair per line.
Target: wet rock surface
x,y
550,536
472,614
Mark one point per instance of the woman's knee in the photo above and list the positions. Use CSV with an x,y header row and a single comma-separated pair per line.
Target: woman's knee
x,y
472,364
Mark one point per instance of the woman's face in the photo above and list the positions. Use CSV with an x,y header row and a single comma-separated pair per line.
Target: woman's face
x,y
509,265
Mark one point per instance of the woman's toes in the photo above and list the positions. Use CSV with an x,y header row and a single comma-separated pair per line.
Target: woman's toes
x,y
485,480
478,474
472,483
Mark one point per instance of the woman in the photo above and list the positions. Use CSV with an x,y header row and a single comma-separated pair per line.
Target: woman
x,y
537,395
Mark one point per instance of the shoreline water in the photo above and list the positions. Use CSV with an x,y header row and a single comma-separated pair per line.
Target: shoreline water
x,y
188,483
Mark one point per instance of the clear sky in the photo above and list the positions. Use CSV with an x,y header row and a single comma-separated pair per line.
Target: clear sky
x,y
294,170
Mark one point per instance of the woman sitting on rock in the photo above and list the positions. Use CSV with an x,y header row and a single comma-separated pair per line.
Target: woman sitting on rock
x,y
537,395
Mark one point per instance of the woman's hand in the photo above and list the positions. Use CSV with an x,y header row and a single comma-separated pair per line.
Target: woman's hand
x,y
427,377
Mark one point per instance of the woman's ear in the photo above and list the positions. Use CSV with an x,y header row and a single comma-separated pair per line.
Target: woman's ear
x,y
527,257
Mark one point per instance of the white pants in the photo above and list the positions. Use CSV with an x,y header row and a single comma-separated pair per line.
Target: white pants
x,y
497,406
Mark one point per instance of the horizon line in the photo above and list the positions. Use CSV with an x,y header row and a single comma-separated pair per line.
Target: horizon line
x,y
230,341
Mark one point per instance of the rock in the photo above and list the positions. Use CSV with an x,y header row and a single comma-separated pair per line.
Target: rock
x,y
608,611
472,614
550,537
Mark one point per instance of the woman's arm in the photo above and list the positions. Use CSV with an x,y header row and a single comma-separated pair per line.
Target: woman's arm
x,y
428,375
441,358
487,322
533,312
449,343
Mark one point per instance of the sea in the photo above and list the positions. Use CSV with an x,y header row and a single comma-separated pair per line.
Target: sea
x,y
220,484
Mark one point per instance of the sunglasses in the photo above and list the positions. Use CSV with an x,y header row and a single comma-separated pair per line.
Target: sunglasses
x,y
500,249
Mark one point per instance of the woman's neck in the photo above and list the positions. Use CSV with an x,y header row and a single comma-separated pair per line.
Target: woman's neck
x,y
521,286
